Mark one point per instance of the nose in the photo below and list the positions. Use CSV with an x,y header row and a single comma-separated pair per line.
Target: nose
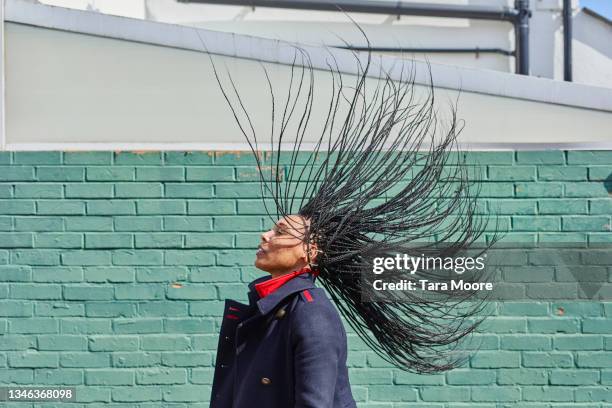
x,y
265,237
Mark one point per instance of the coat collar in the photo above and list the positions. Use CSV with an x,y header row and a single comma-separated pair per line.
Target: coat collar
x,y
274,290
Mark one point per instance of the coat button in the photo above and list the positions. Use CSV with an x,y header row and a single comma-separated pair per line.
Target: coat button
x,y
280,313
266,381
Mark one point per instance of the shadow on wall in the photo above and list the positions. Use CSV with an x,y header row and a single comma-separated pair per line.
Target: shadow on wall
x,y
608,183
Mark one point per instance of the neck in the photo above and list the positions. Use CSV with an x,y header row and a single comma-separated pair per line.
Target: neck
x,y
276,274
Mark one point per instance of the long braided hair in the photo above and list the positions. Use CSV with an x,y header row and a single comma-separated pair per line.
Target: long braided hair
x,y
376,182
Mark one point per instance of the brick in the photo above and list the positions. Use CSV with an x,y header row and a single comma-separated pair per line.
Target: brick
x,y
589,157
512,173
184,393
58,377
58,309
16,173
15,308
470,377
547,394
16,240
86,158
138,190
574,377
588,394
209,240
110,173
602,326
191,223
166,342
35,325
189,257
138,223
496,394
206,308
111,207
237,190
574,308
547,360
522,376
513,207
536,190
186,359
137,257
553,325
131,394
109,377
523,309
136,359
137,326
89,190
159,240
540,157
88,293
525,342
594,359
17,207
210,174
188,158
138,158
161,273
161,376
16,376
403,377
86,257
237,224
60,173
165,173
89,223
38,190
454,394
157,207
37,157
603,207
17,343
35,291
60,207
57,274
505,325
586,223
562,173
562,206
501,157
139,292
188,190
108,240
585,189
84,326
214,274
541,223
201,376
38,224
113,343
192,292
600,173
62,343
500,359
211,207
163,309
113,274
31,359
110,309
85,360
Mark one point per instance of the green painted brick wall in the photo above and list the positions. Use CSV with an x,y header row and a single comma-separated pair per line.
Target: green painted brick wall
x,y
114,265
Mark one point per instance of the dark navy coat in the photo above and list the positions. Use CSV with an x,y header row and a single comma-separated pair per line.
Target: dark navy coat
x,y
286,349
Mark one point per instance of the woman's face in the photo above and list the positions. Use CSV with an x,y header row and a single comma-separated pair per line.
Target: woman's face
x,y
282,249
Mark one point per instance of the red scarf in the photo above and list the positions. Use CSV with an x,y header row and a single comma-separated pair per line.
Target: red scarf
x,y
266,287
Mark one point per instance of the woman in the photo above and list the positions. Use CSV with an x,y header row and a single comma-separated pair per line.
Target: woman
x,y
374,185
287,347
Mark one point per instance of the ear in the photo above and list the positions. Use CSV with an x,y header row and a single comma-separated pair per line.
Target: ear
x,y
314,250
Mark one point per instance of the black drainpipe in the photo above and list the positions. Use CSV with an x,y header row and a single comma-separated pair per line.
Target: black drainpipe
x,y
519,16
567,40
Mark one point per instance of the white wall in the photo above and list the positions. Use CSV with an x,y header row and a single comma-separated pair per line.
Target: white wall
x,y
71,89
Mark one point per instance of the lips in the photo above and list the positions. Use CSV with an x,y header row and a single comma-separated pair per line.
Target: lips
x,y
260,251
